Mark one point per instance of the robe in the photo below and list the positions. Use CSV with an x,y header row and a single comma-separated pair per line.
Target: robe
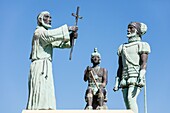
x,y
41,85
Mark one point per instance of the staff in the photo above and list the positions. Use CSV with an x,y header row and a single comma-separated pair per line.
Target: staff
x,y
72,39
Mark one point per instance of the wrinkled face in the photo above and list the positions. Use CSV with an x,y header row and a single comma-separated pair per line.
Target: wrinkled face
x,y
47,19
131,31
95,59
44,20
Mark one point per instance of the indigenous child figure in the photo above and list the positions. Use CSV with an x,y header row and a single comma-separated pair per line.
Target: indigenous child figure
x,y
132,65
96,76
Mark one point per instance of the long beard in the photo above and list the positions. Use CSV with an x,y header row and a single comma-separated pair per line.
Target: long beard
x,y
46,25
133,37
130,35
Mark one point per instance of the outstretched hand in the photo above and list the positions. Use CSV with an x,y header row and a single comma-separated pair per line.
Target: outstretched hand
x,y
73,28
73,35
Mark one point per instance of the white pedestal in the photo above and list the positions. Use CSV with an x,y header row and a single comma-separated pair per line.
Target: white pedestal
x,y
77,111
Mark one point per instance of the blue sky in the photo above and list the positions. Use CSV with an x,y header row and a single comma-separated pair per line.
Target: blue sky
x,y
104,26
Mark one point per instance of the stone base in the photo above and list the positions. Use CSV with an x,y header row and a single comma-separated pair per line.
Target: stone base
x,y
77,111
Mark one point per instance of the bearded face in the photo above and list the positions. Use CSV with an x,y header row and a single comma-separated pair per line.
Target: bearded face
x,y
131,31
44,19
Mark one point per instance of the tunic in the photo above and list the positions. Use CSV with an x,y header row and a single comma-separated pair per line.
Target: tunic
x,y
41,85
130,53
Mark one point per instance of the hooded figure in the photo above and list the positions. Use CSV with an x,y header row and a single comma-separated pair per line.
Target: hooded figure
x,y
41,87
132,65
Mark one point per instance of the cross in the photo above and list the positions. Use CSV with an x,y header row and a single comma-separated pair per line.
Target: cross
x,y
77,16
76,22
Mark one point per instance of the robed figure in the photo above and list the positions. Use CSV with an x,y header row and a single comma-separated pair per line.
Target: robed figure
x,y
41,86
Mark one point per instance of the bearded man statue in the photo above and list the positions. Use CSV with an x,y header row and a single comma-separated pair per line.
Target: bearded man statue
x,y
132,65
41,87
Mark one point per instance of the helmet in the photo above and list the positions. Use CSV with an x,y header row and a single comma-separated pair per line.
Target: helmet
x,y
140,27
95,53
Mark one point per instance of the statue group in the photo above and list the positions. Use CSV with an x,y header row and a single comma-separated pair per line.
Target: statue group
x,y
131,71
